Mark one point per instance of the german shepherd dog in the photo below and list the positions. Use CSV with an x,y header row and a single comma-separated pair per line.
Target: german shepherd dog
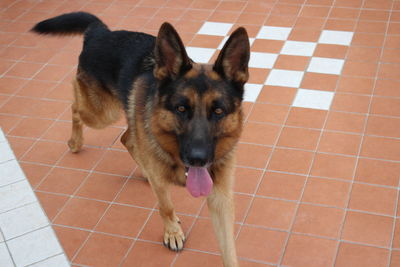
x,y
184,119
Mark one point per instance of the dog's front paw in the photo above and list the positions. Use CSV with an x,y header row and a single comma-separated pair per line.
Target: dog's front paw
x,y
74,146
174,237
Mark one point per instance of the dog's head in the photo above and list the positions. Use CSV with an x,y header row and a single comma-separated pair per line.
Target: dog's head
x,y
198,116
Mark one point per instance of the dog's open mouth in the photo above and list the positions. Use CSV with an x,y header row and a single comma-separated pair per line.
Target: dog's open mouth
x,y
198,181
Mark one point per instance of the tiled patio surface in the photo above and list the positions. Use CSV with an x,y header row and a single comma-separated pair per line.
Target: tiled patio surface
x,y
317,176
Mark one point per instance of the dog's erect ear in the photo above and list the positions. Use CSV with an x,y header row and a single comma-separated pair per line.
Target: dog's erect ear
x,y
233,60
170,54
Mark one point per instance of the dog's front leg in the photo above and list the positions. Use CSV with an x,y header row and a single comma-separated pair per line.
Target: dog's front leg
x,y
220,205
173,234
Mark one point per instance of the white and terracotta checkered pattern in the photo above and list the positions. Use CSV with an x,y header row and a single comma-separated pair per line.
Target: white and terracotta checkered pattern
x,y
305,97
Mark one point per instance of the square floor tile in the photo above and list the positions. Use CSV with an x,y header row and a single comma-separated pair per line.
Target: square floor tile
x,y
313,99
272,213
325,65
251,92
82,213
200,55
269,113
301,138
15,195
5,152
262,60
142,254
296,48
369,229
5,258
335,37
2,136
22,220
291,161
215,28
359,255
306,117
383,202
326,192
71,239
378,172
35,246
103,250
281,185
10,172
289,78
339,143
59,261
274,33
260,244
317,220
221,45
304,250
326,165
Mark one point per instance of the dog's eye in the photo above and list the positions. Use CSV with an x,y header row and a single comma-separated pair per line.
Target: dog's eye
x,y
181,109
219,111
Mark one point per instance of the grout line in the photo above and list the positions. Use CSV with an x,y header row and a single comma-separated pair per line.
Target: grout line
x,y
361,142
393,234
236,193
260,179
8,249
272,150
286,243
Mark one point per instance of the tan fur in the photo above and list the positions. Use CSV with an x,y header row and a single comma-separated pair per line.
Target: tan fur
x,y
155,149
92,106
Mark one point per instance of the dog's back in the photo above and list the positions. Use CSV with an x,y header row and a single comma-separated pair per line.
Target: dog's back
x,y
112,58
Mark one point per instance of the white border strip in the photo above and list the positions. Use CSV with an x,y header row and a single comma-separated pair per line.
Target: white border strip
x,y
26,235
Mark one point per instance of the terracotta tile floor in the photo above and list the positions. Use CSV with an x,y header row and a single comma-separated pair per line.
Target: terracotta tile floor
x,y
317,177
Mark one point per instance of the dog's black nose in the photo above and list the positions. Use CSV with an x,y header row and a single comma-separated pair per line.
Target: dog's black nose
x,y
197,157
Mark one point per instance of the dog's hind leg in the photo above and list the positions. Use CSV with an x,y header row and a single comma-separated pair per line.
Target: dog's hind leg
x,y
93,106
76,140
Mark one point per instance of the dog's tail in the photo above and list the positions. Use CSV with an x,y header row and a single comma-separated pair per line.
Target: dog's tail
x,y
67,24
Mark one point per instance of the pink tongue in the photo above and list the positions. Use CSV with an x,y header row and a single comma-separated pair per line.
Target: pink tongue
x,y
199,181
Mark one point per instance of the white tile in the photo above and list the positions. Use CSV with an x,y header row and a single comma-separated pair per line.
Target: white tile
x,y
200,55
35,246
251,92
274,33
2,136
22,220
251,41
326,65
59,261
221,45
296,48
10,172
289,78
335,37
315,99
1,237
5,258
215,28
16,195
262,60
5,152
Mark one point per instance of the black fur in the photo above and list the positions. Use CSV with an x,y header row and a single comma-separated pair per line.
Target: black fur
x,y
114,58
71,23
